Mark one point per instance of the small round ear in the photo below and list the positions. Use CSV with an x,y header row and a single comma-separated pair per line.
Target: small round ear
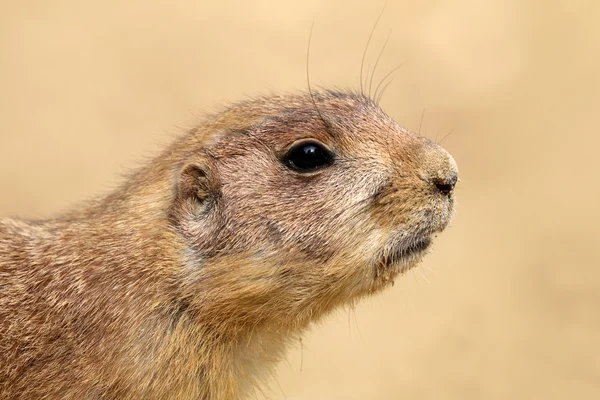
x,y
195,193
196,182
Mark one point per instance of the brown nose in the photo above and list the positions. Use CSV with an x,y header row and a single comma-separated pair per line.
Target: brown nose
x,y
440,169
446,185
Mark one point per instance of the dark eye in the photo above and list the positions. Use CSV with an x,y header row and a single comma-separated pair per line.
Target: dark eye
x,y
308,156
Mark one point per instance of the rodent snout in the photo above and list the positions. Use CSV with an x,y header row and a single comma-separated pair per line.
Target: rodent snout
x,y
446,185
441,168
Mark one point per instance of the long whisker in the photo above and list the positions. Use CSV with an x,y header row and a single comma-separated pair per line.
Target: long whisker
x,y
387,76
377,61
421,122
423,275
447,135
312,98
378,98
362,63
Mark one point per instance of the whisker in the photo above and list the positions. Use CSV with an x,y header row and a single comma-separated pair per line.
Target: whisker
x,y
412,272
360,335
377,61
431,270
423,275
447,135
387,76
312,98
378,98
362,63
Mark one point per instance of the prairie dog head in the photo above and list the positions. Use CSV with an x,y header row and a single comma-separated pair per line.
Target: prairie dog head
x,y
289,208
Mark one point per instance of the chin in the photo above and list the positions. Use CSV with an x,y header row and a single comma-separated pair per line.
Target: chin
x,y
398,255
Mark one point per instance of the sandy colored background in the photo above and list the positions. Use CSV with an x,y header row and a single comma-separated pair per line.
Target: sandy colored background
x,y
508,304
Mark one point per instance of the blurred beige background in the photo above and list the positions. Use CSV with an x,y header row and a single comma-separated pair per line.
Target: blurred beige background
x,y
508,303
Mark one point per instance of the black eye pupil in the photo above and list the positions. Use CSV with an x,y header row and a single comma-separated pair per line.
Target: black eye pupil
x,y
308,157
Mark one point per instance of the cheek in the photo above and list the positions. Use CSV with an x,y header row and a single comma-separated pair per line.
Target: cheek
x,y
319,215
370,242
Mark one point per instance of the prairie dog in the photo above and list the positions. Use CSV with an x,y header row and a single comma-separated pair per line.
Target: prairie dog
x,y
188,280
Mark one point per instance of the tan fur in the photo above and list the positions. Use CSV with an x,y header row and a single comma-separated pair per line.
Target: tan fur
x,y
187,281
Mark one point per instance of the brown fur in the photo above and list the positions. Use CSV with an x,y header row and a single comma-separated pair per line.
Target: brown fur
x,y
187,281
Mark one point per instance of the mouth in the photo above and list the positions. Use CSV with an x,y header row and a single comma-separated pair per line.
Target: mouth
x,y
404,250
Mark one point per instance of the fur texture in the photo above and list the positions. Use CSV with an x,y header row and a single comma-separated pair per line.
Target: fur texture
x,y
186,282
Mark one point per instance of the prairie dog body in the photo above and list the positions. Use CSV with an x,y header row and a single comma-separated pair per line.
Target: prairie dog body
x,y
187,281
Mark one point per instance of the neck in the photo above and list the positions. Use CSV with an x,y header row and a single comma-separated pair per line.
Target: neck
x,y
136,306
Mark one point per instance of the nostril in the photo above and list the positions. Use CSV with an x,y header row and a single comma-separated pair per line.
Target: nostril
x,y
446,186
